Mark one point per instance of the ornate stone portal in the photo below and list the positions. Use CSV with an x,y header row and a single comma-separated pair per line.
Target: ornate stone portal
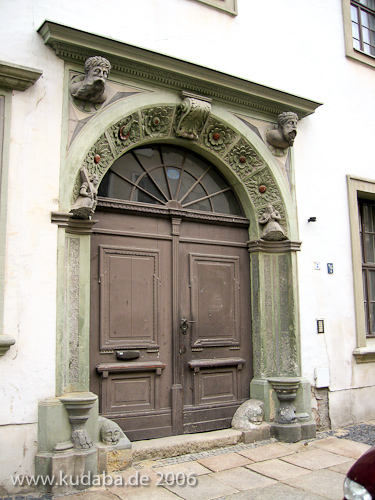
x,y
215,133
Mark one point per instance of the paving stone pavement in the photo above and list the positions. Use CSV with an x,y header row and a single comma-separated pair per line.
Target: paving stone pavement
x,y
268,470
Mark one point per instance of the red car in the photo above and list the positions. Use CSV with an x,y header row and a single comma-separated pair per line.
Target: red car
x,y
360,480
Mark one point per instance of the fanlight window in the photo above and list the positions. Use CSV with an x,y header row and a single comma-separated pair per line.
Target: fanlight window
x,y
169,176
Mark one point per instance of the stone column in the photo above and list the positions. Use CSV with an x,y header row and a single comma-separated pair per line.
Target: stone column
x,y
275,326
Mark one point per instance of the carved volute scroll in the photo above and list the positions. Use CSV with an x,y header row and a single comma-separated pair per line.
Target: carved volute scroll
x,y
282,137
193,115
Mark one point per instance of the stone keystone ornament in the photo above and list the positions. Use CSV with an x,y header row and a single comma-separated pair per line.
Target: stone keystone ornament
x,y
282,137
193,115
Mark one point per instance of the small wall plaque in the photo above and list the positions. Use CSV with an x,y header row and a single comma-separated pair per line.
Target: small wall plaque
x,y
330,268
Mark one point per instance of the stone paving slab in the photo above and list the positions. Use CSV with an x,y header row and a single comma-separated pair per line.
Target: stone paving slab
x,y
223,462
207,488
343,447
242,478
277,469
276,492
343,468
315,459
266,452
324,482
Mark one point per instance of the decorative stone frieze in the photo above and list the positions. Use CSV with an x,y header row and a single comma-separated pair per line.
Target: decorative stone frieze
x,y
243,159
157,122
192,115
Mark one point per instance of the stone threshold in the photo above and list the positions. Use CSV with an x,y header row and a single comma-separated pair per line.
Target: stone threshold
x,y
173,446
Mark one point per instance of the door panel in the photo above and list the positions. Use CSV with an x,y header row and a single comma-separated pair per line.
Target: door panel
x,y
153,377
214,299
128,297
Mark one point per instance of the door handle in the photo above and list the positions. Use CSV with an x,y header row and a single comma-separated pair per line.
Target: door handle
x,y
184,325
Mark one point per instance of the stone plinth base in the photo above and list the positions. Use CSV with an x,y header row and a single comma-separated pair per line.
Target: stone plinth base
x,y
258,433
288,433
114,458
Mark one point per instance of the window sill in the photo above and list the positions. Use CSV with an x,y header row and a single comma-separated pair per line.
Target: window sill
x,y
364,354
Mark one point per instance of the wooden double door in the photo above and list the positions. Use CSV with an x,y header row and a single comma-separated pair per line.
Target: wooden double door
x,y
170,342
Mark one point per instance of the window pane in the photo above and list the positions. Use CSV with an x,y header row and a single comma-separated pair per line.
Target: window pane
x,y
158,176
173,175
148,157
354,13
226,203
364,282
369,242
195,194
367,218
172,157
355,31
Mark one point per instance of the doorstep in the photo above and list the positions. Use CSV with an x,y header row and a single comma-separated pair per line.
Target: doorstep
x,y
173,446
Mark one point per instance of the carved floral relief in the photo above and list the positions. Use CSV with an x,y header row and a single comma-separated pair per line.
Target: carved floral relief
x,y
243,159
125,133
218,136
157,121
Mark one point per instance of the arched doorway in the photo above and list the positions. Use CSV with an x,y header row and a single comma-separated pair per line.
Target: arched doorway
x,y
170,340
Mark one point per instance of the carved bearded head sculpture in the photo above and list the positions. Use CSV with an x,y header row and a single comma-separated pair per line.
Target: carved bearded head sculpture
x,y
283,136
92,88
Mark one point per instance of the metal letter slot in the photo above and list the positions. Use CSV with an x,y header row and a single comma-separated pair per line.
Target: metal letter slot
x,y
127,354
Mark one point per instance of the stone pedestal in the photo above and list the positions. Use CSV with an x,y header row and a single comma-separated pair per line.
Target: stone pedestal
x,y
286,426
78,406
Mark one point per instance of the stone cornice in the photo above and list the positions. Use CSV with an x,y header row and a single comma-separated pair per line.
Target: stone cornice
x,y
274,246
76,46
16,77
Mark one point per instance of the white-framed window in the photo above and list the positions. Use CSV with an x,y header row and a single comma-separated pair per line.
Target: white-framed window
x,y
361,194
359,27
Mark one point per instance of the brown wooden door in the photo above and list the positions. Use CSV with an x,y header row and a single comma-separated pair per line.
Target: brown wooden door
x,y
170,344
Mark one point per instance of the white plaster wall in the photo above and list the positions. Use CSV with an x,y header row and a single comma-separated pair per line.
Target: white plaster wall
x,y
17,454
296,46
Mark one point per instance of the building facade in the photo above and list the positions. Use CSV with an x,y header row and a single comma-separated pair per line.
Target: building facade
x,y
187,219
